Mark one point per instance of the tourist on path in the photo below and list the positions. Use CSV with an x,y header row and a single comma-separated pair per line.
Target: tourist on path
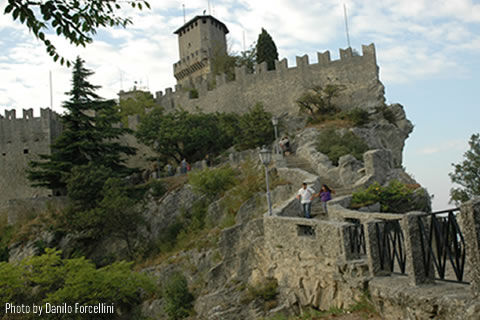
x,y
305,195
325,195
183,166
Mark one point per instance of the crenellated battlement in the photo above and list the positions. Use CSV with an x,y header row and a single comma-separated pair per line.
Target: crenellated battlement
x,y
21,140
278,89
27,114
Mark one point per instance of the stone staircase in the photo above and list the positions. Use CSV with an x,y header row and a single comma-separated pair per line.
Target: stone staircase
x,y
293,161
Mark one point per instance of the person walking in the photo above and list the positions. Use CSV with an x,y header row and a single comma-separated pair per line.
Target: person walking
x,y
305,195
325,195
183,166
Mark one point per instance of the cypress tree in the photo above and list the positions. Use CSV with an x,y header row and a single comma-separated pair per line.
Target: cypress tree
x,y
89,136
266,50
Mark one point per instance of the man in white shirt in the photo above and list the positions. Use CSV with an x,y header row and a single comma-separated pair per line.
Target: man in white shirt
x,y
305,195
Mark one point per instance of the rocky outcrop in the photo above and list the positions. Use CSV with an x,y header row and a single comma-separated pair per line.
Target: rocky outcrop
x,y
381,133
163,212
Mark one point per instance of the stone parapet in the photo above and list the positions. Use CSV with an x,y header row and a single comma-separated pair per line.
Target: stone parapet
x,y
470,226
416,268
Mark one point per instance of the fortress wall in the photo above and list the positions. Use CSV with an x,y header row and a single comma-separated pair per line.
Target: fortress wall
x,y
279,89
21,139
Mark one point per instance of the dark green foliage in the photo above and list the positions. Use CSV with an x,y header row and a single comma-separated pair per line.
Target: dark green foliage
x,y
266,50
157,188
226,62
85,138
247,58
135,105
266,291
178,299
181,134
222,62
358,116
335,145
103,206
76,21
396,197
256,129
85,184
190,222
119,207
467,173
317,102
6,233
387,113
212,182
193,94
49,278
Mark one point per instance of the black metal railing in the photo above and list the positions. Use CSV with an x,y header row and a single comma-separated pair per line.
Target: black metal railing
x,y
443,245
356,236
391,246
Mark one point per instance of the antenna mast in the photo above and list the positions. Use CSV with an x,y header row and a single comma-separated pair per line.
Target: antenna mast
x,y
51,91
184,19
346,23
244,49
209,8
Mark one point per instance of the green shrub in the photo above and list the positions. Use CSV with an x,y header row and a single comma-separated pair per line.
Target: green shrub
x,y
212,182
335,145
178,299
266,291
256,129
49,278
193,94
387,113
396,197
358,116
157,188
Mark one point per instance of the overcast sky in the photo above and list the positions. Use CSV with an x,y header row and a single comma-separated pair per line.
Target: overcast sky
x,y
428,53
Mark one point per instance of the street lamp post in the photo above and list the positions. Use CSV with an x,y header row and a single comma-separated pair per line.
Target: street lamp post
x,y
275,124
266,157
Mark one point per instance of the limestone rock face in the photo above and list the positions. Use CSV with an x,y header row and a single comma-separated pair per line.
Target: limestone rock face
x,y
381,134
163,212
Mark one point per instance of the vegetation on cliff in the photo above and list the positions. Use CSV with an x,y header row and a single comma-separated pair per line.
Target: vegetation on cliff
x,y
335,145
180,134
466,174
396,197
50,279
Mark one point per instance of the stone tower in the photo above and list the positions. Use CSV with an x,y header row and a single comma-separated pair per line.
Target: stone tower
x,y
199,40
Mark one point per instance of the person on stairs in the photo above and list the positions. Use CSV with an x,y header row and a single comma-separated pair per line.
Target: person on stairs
x,y
325,195
305,195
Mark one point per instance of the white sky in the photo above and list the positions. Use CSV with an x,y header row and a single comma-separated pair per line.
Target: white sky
x,y
428,53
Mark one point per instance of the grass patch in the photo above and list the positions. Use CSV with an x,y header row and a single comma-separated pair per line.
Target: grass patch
x,y
266,291
335,145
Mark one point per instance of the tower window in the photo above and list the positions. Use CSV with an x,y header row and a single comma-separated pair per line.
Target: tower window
x,y
25,151
204,20
4,154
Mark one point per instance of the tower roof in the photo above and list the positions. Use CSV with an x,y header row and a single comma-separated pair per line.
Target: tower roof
x,y
192,21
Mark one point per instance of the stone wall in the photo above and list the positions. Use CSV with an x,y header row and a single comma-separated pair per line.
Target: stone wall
x,y
279,89
21,140
310,260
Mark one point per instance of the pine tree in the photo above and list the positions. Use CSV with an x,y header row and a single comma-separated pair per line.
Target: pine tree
x,y
89,136
266,50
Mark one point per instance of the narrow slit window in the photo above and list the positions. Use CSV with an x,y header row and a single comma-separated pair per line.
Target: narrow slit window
x,y
305,231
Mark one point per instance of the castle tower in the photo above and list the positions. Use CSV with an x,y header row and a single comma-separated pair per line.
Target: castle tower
x,y
199,40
